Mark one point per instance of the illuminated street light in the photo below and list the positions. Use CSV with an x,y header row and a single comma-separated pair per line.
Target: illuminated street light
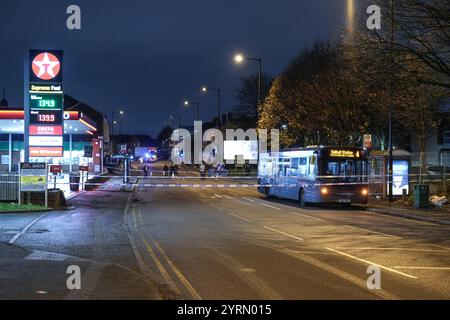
x,y
120,112
188,103
219,115
239,58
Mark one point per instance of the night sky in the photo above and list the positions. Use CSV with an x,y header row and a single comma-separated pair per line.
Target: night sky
x,y
148,56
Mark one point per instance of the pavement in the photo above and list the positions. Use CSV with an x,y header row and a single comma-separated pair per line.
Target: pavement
x,y
432,215
209,240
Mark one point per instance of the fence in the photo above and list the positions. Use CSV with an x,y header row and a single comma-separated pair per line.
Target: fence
x,y
9,187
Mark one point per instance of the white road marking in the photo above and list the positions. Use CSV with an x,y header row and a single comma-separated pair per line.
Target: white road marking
x,y
216,207
441,247
269,206
372,263
245,198
283,233
422,268
237,216
25,229
218,196
228,197
396,249
375,232
306,216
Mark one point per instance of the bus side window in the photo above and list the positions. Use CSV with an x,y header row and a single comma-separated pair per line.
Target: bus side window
x,y
302,167
294,168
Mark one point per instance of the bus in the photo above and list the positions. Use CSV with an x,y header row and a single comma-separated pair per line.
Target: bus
x,y
315,175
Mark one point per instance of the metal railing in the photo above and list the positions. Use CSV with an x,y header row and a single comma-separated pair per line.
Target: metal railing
x,y
9,187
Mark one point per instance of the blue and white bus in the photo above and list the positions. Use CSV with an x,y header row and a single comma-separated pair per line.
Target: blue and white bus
x,y
315,175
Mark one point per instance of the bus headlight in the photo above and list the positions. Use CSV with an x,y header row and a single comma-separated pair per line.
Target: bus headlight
x,y
324,190
365,192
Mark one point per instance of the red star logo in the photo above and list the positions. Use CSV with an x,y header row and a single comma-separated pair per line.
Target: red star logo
x,y
46,66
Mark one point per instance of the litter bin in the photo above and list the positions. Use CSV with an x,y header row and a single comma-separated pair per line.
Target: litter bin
x,y
421,196
74,179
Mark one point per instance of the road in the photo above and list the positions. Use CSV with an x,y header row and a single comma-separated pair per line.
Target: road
x,y
187,239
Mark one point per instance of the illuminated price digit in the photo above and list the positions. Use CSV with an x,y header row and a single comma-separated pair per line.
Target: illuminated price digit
x,y
46,117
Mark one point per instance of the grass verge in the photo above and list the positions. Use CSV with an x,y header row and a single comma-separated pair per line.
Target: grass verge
x,y
14,207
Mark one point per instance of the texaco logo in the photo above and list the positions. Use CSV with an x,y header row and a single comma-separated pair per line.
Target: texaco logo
x,y
46,66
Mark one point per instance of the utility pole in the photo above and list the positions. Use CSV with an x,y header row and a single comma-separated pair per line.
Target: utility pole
x,y
391,102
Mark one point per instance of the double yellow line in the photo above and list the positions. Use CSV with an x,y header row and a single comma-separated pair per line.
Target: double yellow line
x,y
153,249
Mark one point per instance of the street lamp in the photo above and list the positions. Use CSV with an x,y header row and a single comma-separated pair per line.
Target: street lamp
x,y
240,58
187,103
219,114
179,120
115,122
120,112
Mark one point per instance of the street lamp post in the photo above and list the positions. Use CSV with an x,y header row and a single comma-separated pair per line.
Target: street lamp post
x,y
178,122
219,113
391,98
188,103
121,112
239,58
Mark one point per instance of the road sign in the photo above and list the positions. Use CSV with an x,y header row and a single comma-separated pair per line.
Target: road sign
x,y
367,141
33,176
55,169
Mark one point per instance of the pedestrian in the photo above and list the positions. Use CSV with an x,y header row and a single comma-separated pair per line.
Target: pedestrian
x,y
175,170
202,170
171,170
145,171
166,170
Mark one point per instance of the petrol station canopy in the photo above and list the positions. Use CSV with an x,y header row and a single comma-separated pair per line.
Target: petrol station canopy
x,y
75,122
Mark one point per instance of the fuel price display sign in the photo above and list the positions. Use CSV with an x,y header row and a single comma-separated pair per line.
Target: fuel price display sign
x,y
46,101
45,112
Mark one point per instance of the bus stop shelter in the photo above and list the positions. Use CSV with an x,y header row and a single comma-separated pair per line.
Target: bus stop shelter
x,y
378,172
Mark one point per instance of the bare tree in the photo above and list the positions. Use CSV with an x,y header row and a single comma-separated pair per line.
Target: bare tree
x,y
247,95
422,30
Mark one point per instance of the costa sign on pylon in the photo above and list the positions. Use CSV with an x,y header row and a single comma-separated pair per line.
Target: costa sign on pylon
x,y
46,66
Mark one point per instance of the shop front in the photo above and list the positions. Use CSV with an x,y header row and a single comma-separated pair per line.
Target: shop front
x,y
78,137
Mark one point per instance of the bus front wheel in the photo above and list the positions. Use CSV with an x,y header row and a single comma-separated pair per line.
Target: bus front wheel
x,y
301,198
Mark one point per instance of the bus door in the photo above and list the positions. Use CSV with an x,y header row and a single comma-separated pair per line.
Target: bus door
x,y
281,180
310,178
291,179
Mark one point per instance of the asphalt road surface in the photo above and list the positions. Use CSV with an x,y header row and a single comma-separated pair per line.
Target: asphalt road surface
x,y
207,240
